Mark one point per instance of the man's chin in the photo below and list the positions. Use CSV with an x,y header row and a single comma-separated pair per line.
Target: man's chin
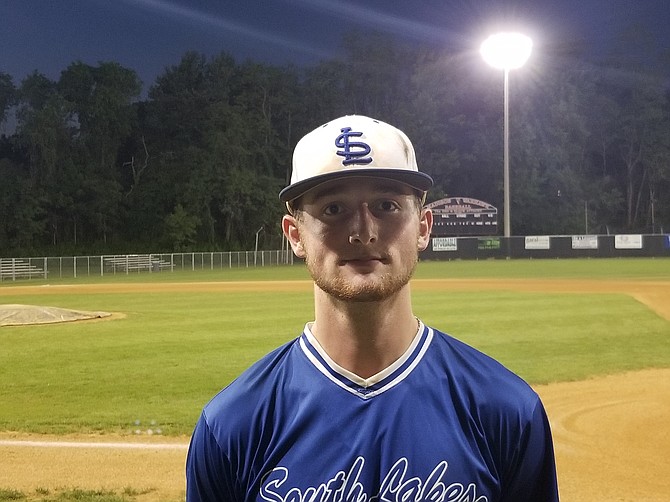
x,y
361,291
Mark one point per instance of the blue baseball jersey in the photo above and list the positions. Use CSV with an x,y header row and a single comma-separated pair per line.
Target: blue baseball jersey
x,y
444,423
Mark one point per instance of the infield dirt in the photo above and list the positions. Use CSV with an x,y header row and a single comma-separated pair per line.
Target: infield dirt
x,y
612,434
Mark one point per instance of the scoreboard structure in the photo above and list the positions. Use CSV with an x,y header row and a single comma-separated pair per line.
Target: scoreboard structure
x,y
462,216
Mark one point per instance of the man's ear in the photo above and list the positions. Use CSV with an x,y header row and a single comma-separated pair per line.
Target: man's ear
x,y
290,228
425,227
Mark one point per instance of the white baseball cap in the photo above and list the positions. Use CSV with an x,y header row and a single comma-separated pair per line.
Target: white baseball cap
x,y
353,145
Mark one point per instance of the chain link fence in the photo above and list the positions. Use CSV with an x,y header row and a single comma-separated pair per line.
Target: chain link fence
x,y
12,269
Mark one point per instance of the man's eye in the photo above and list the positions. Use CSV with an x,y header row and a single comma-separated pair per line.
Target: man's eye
x,y
332,209
388,205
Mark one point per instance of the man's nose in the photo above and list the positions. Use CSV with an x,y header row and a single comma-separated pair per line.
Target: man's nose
x,y
363,226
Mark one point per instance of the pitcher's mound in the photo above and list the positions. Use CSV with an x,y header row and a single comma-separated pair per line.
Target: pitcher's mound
x,y
17,315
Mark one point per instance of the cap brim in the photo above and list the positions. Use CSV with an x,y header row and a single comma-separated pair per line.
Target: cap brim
x,y
415,179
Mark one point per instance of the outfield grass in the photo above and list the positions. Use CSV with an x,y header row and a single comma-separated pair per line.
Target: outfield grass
x,y
605,269
69,495
173,351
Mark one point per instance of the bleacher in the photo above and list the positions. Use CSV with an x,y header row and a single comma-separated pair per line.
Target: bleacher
x,y
13,268
136,263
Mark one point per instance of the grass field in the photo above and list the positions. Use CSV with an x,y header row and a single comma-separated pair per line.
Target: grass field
x,y
177,338
175,348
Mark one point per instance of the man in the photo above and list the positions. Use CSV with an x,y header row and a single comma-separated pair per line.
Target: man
x,y
368,403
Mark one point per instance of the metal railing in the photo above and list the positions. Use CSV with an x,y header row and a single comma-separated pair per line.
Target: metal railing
x,y
12,269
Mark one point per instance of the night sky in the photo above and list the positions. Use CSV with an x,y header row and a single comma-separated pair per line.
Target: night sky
x,y
150,35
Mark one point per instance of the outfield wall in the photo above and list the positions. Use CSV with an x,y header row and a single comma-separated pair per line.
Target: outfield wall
x,y
548,246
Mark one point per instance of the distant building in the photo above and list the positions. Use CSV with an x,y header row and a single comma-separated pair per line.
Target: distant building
x,y
461,216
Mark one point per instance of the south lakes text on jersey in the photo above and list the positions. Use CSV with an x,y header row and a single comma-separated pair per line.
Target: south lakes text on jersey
x,y
395,487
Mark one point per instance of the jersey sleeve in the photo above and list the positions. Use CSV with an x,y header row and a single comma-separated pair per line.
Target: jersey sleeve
x,y
208,474
532,475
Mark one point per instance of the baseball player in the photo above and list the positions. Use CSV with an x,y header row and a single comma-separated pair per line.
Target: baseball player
x,y
368,403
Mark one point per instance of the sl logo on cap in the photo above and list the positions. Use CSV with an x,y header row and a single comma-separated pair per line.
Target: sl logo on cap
x,y
354,152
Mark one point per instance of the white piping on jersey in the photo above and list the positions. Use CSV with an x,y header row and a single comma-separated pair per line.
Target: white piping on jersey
x,y
357,380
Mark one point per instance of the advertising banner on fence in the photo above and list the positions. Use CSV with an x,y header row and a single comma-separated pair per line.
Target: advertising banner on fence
x,y
584,242
537,242
486,243
630,241
445,243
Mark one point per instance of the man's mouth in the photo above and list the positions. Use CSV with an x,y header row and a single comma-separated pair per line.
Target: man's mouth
x,y
364,260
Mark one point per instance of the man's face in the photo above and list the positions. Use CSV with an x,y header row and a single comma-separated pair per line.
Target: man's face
x,y
360,237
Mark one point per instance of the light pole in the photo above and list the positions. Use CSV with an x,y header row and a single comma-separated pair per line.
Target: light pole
x,y
506,51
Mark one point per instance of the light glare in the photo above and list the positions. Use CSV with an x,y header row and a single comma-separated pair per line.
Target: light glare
x,y
506,51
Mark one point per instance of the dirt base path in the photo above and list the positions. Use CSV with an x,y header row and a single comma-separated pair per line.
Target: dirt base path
x,y
612,434
612,437
154,469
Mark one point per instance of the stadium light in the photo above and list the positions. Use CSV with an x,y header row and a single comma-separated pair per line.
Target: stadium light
x,y
506,51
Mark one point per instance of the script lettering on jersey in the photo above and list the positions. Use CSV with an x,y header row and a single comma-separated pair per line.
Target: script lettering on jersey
x,y
346,486
354,152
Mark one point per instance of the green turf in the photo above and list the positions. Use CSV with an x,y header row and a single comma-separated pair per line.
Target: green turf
x,y
615,268
553,337
70,495
173,351
160,363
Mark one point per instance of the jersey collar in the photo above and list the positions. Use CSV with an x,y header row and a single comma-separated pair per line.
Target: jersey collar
x,y
366,388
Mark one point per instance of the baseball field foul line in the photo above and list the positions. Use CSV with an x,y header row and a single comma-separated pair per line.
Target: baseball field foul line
x,y
77,444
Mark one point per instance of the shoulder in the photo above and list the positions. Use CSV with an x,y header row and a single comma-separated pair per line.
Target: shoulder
x,y
253,386
474,373
508,415
237,420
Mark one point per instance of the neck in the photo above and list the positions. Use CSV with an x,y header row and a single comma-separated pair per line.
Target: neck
x,y
365,337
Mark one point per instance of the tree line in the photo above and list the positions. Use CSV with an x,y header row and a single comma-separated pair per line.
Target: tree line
x,y
92,167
